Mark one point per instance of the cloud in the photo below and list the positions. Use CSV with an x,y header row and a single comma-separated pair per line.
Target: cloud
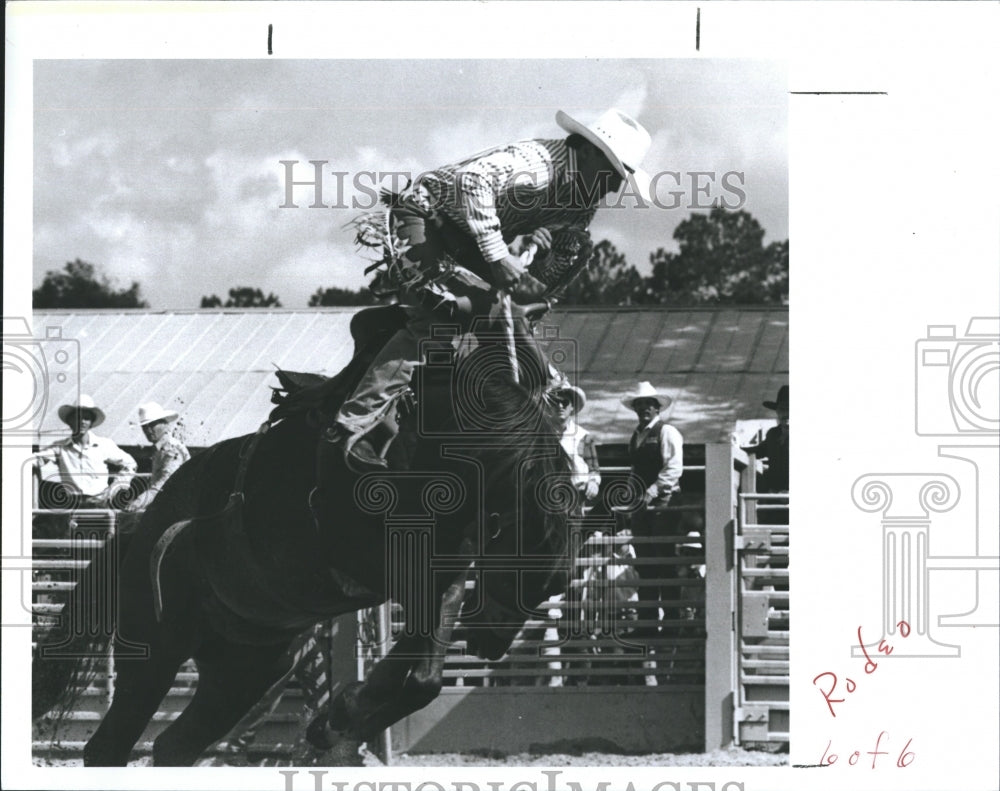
x,y
168,172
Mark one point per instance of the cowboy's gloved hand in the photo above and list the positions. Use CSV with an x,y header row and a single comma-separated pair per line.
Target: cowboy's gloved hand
x,y
542,238
507,271
591,491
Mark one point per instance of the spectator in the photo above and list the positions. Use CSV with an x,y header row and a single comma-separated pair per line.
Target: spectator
x,y
567,401
83,463
169,453
774,448
656,455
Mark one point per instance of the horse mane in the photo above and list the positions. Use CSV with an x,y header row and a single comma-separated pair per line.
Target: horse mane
x,y
517,442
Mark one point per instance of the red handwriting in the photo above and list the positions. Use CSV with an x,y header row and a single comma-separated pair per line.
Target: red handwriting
x,y
870,667
903,760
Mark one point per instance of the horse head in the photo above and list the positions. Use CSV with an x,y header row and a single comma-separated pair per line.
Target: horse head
x,y
515,524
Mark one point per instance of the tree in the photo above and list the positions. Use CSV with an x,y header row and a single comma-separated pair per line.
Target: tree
x,y
722,260
607,280
326,297
243,297
82,285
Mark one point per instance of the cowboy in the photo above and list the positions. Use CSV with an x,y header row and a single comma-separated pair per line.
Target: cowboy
x,y
656,455
656,449
774,446
476,217
566,401
169,453
84,462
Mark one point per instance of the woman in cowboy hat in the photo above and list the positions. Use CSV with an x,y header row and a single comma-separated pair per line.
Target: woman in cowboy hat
x,y
84,462
169,453
482,213
566,401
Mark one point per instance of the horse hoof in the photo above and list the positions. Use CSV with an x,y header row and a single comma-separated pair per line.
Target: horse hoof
x,y
320,735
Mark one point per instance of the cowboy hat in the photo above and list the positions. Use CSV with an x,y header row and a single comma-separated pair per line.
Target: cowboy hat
x,y
579,397
67,411
150,412
622,139
782,400
646,390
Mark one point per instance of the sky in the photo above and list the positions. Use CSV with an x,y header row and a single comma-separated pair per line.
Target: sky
x,y
168,172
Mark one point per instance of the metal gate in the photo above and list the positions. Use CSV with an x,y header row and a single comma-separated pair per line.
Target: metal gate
x,y
761,712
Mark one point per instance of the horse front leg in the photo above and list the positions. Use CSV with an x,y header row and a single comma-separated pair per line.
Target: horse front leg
x,y
408,678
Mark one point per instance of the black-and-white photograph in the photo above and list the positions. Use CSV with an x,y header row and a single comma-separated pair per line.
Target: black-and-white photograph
x,y
405,401
399,394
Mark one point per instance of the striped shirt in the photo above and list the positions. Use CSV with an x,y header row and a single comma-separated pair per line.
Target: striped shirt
x,y
509,191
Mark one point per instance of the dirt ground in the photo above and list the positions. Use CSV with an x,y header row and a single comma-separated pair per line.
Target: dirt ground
x,y
731,757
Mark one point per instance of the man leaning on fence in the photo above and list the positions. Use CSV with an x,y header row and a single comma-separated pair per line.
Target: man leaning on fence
x,y
86,470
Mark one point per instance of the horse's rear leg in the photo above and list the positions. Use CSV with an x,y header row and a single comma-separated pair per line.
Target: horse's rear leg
x,y
140,686
231,679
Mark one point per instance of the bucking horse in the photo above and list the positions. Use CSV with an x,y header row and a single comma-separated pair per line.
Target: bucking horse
x,y
256,539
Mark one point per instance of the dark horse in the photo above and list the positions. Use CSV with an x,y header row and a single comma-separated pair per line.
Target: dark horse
x,y
253,542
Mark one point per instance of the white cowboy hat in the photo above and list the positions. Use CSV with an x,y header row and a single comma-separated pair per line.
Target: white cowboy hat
x,y
646,390
623,140
150,412
579,397
66,411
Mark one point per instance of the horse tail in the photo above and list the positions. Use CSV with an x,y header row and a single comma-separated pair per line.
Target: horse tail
x,y
69,654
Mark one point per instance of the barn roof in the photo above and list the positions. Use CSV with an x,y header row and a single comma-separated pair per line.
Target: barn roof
x,y
216,367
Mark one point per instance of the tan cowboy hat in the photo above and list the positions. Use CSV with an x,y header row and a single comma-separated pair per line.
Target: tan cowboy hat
x,y
782,400
150,412
623,140
579,397
67,411
646,390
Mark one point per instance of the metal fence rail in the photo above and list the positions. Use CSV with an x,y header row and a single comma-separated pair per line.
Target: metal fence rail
x,y
762,550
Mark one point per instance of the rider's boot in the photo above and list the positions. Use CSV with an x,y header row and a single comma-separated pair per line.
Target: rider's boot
x,y
368,451
359,453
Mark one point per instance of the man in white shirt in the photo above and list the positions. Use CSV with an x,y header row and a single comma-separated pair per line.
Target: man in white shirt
x,y
93,469
656,453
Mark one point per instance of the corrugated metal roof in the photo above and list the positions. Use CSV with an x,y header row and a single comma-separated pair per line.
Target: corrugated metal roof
x,y
216,367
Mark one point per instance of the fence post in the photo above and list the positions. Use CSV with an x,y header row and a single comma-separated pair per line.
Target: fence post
x,y
720,595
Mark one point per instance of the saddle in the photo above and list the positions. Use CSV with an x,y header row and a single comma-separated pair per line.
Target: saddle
x,y
318,396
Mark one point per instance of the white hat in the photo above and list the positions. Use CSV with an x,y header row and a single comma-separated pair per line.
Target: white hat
x,y
86,402
151,412
646,390
623,140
